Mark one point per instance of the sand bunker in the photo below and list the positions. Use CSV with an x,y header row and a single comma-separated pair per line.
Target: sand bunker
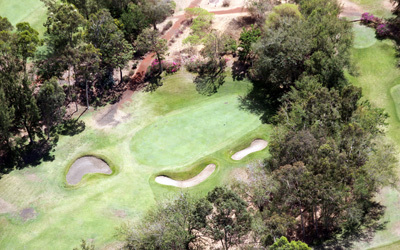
x,y
256,145
86,165
202,176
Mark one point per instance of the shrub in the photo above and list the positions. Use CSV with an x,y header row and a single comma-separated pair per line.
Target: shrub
x,y
194,64
367,18
382,30
168,67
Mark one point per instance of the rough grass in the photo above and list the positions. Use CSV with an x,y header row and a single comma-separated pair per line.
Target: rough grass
x,y
378,74
374,6
32,11
66,215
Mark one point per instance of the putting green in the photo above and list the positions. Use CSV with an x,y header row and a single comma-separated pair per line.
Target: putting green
x,y
364,36
194,132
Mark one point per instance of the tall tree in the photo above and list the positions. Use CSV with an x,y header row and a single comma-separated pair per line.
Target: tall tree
x,y
50,100
157,11
103,33
229,220
87,67
149,40
134,21
27,42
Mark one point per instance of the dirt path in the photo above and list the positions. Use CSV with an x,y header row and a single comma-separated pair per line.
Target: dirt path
x,y
202,176
351,9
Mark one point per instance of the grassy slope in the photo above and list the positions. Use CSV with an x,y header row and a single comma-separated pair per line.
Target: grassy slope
x,y
378,75
32,11
374,6
89,211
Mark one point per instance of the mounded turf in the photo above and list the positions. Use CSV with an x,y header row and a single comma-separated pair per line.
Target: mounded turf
x,y
32,11
364,37
98,204
192,133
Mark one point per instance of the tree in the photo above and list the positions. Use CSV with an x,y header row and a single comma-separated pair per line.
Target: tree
x,y
156,11
247,39
229,220
134,21
27,41
5,25
259,8
114,50
63,34
200,26
172,225
149,40
86,67
6,119
50,100
284,244
286,10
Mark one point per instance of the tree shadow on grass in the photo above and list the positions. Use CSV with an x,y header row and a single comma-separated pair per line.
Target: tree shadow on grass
x,y
72,127
154,82
372,222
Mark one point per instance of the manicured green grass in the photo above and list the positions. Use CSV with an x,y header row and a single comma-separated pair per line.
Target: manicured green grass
x,y
378,76
364,37
32,11
92,210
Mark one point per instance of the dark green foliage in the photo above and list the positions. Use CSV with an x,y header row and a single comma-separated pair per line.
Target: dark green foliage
x,y
5,25
114,50
134,21
27,41
172,225
85,246
156,11
246,40
322,50
150,41
51,100
229,220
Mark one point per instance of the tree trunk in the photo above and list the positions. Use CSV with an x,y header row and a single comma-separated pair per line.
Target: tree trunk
x,y
159,62
120,74
87,95
29,133
155,26
302,221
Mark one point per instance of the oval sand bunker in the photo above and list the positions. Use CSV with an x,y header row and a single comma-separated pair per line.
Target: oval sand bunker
x,y
256,145
202,176
86,165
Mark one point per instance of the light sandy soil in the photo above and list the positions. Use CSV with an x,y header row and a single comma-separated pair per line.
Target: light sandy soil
x,y
110,117
388,4
202,176
350,9
256,145
86,165
6,207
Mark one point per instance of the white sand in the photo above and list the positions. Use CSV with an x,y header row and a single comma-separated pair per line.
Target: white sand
x,y
202,176
256,145
86,165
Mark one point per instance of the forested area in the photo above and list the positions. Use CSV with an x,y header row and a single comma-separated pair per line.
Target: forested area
x,y
84,43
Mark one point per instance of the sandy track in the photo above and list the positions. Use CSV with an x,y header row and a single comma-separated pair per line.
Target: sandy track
x,y
202,176
86,165
256,145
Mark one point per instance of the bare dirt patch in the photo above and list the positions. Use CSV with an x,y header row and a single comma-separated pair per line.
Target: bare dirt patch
x,y
6,207
350,9
120,213
256,145
27,214
387,4
86,165
202,176
111,117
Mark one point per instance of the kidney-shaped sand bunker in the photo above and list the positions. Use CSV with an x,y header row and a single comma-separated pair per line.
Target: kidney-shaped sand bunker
x,y
86,165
